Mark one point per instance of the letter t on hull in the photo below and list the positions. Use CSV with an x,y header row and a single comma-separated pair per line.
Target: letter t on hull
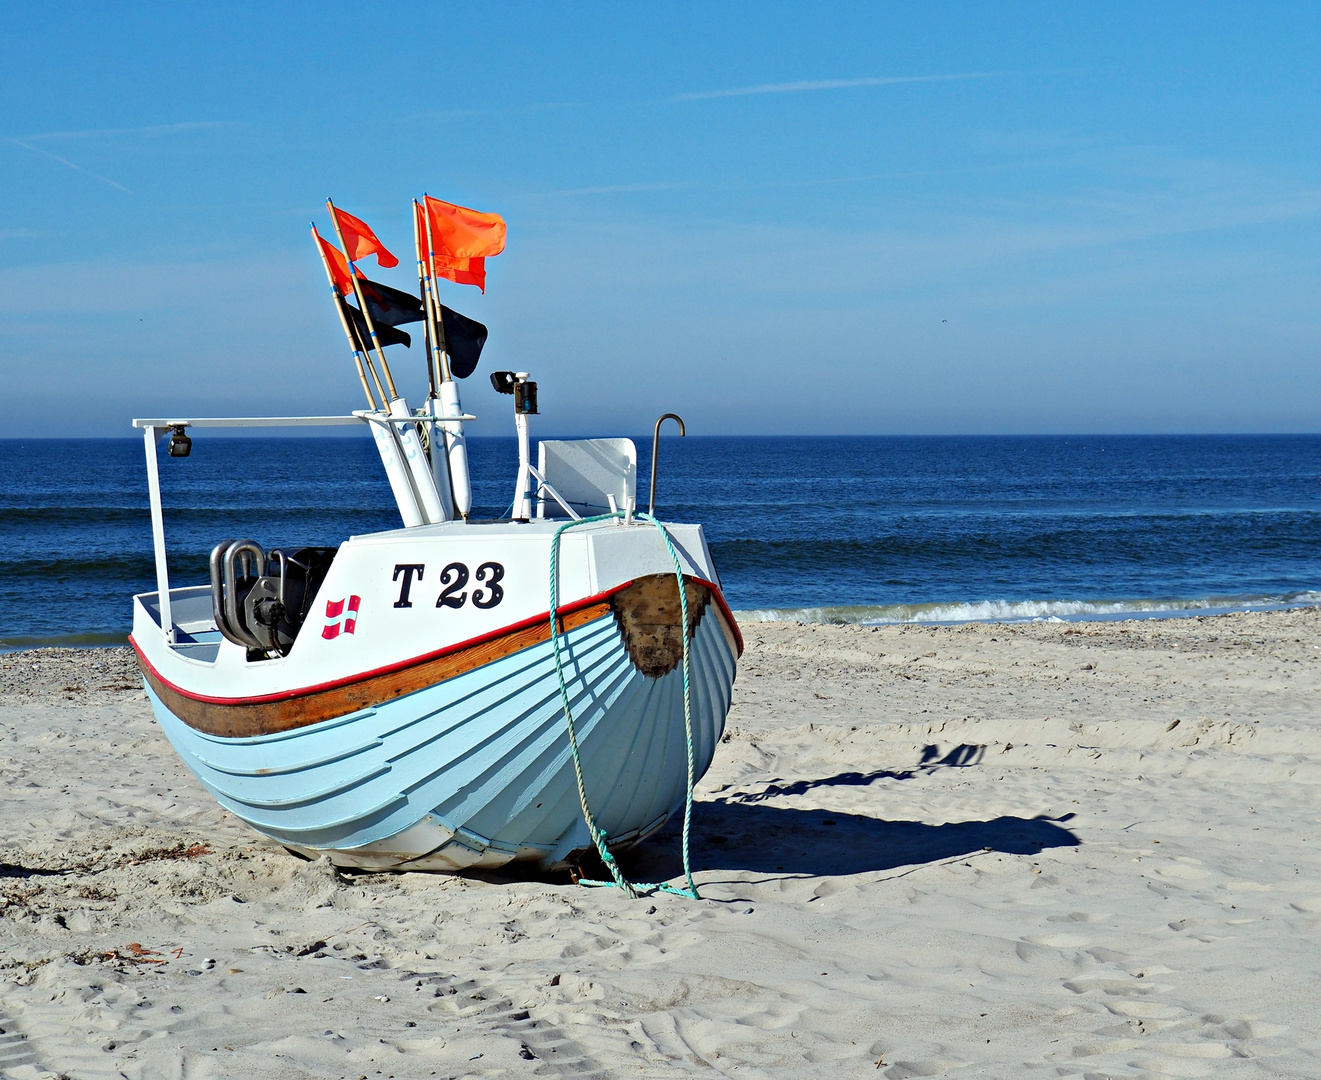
x,y
408,570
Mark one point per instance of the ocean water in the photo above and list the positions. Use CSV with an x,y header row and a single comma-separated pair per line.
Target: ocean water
x,y
833,529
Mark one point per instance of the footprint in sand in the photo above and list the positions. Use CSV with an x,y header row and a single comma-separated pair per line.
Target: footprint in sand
x,y
1182,872
1144,1010
902,1070
15,1050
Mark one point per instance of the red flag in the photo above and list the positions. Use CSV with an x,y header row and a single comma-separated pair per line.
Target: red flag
x,y
461,271
461,233
359,240
339,266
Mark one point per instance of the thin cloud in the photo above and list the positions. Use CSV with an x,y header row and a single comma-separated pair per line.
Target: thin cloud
x,y
767,185
614,189
149,131
69,164
806,86
506,110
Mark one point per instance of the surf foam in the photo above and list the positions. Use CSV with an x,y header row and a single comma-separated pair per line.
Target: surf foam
x,y
1030,610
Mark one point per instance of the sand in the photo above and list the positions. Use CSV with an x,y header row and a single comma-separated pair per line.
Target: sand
x,y
1085,850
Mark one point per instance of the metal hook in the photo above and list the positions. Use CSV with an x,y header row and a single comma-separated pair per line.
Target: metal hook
x,y
655,450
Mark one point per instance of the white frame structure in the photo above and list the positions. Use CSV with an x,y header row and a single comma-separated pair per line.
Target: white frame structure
x,y
152,430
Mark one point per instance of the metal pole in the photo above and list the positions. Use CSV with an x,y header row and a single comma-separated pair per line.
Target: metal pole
x,y
158,534
522,485
655,450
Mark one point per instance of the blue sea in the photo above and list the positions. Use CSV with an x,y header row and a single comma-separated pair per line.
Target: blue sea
x,y
832,529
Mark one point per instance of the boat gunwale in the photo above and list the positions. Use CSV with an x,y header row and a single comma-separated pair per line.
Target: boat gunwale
x,y
436,654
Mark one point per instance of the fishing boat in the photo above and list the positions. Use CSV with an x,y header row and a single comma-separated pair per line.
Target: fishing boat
x,y
453,693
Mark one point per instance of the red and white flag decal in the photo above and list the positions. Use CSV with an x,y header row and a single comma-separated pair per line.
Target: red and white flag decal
x,y
334,610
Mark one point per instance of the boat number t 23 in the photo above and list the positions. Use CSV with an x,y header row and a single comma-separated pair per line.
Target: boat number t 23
x,y
454,578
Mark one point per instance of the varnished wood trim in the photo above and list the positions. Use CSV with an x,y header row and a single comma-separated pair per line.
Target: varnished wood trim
x,y
648,613
244,719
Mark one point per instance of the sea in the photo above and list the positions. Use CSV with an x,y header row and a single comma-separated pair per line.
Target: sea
x,y
840,530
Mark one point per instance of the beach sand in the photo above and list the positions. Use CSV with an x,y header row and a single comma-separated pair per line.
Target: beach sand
x,y
1086,850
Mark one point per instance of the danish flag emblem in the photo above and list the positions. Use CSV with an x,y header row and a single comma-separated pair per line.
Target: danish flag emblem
x,y
334,610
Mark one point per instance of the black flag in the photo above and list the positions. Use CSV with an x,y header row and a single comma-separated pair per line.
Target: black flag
x,y
385,333
390,306
464,338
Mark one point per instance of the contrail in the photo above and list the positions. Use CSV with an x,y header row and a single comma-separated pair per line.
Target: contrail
x,y
71,165
150,131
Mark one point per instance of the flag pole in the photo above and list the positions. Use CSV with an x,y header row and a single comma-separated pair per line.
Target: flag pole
x,y
344,322
442,350
362,304
387,443
425,296
456,444
428,501
361,350
439,451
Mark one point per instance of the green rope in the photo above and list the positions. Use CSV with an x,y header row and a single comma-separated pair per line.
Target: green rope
x,y
599,837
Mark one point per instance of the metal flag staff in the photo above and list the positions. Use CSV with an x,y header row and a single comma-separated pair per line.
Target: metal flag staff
x,y
428,498
455,442
384,434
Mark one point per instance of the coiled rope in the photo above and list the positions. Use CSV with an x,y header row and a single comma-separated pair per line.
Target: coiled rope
x,y
599,837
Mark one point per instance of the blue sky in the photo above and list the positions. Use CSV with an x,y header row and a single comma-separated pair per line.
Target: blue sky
x,y
871,218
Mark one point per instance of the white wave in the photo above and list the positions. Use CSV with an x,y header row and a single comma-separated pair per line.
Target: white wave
x,y
1029,610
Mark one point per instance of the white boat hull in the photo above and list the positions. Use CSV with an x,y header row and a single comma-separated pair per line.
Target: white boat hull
x,y
476,771
432,736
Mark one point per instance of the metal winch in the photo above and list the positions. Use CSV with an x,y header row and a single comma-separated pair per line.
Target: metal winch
x,y
260,610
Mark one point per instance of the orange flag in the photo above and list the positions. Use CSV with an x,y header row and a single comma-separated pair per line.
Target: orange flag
x,y
462,240
460,271
339,266
359,240
461,233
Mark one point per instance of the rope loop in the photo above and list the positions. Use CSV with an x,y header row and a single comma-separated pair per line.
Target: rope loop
x,y
599,837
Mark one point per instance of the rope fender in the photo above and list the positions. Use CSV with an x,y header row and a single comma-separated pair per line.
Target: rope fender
x,y
599,837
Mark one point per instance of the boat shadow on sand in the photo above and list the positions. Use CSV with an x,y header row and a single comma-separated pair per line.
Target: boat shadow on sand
x,y
744,832
755,837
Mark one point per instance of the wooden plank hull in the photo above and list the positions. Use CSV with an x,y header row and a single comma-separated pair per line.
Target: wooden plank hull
x,y
474,770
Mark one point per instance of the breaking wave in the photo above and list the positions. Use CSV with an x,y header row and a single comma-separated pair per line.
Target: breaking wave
x,y
1031,610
